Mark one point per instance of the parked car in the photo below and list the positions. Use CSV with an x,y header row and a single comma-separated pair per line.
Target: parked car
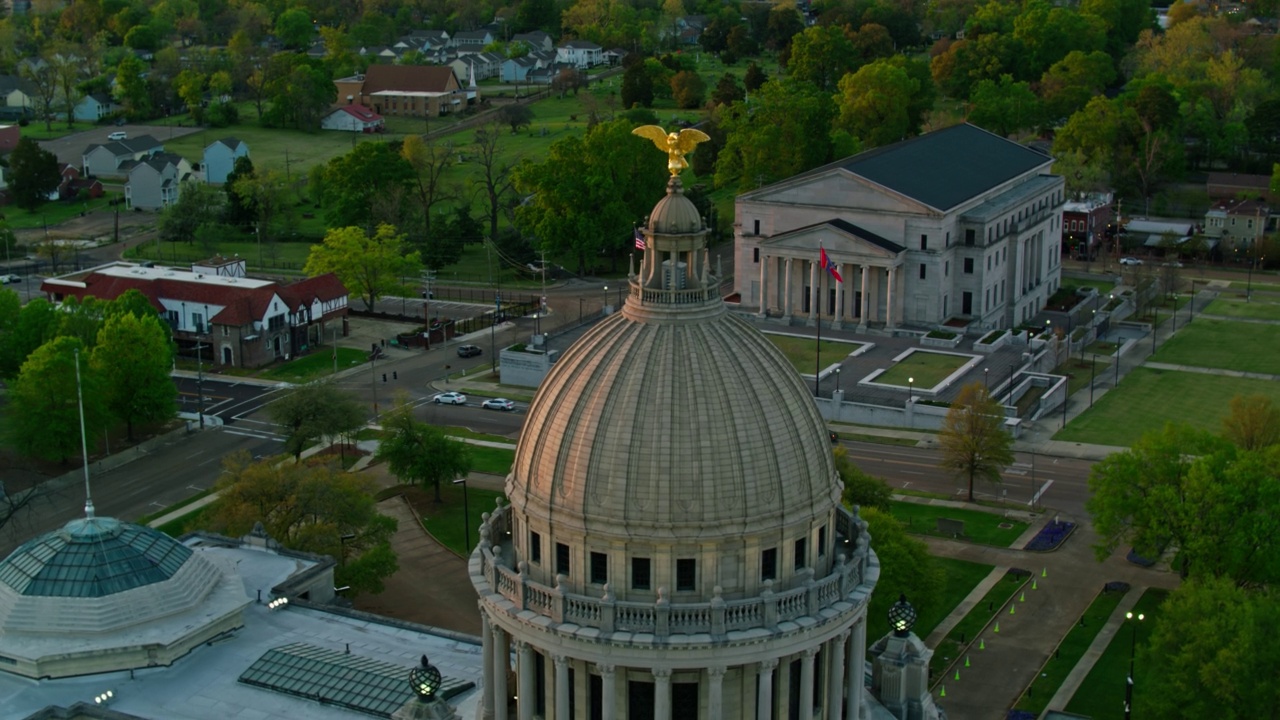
x,y
6,279
1130,261
1173,264
450,398
498,404
469,350
118,135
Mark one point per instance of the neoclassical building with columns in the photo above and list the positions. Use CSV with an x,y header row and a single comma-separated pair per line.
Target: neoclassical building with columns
x,y
674,547
956,224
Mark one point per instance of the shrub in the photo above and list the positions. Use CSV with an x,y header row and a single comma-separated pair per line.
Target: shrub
x,y
992,336
942,335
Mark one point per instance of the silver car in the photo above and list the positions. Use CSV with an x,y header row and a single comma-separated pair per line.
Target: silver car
x,y
450,398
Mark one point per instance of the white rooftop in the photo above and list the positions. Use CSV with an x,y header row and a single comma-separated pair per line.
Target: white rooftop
x,y
203,685
160,272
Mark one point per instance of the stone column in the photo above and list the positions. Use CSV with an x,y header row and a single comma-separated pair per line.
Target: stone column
x,y
786,288
862,311
524,681
835,676
806,683
715,692
501,661
764,697
764,285
661,694
888,298
486,652
838,318
562,686
855,671
814,315
608,692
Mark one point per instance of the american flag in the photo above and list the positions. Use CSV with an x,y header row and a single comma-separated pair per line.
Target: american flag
x,y
640,243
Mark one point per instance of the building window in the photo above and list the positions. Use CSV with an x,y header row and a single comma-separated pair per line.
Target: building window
x,y
948,238
822,541
599,568
562,559
924,241
968,266
756,226
921,271
755,254
946,269
988,263
535,548
969,237
769,564
639,573
801,556
686,574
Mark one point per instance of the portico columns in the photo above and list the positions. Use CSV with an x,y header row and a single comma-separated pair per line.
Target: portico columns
x,y
661,694
862,309
786,288
562,687
501,662
486,653
608,692
835,675
764,285
813,292
715,692
888,298
806,683
838,317
855,671
764,695
524,681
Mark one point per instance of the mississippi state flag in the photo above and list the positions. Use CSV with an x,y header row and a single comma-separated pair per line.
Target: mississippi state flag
x,y
828,265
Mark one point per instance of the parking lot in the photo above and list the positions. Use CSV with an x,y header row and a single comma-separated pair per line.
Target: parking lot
x,y
70,149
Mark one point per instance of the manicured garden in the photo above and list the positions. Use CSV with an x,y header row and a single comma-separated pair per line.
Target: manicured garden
x,y
980,527
803,352
959,578
1101,695
1148,398
1260,306
1248,347
925,368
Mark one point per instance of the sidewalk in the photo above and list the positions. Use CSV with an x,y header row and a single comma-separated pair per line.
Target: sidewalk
x,y
1078,673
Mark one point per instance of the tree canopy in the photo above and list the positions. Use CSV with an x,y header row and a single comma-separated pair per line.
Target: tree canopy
x,y
368,265
314,411
974,442
420,453
44,416
33,174
132,359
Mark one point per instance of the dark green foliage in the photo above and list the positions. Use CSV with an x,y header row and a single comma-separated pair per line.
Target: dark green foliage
x,y
33,174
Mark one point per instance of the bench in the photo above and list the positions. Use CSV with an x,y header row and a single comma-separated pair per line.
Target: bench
x,y
950,528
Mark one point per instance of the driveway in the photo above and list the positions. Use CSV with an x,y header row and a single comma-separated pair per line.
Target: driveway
x,y
70,149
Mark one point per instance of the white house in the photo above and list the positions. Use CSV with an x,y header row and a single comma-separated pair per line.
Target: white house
x,y
353,118
153,183
580,54
220,158
106,159
94,107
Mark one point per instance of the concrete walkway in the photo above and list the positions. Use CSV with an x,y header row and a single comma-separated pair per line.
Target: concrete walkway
x,y
1082,669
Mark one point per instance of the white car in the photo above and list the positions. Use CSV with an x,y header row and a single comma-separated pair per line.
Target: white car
x,y
118,135
1130,261
6,279
498,404
450,398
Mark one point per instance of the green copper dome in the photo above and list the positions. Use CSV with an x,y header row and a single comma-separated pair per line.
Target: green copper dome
x,y
92,557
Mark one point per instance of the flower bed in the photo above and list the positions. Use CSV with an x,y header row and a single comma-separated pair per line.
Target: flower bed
x,y
942,339
993,340
1051,536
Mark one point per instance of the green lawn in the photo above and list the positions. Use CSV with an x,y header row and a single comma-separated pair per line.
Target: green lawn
x,y
462,432
184,524
1101,695
1265,307
53,213
445,521
925,368
1147,399
804,352
1072,648
1260,282
314,366
36,130
288,255
491,460
146,519
1078,374
979,527
970,626
1249,347
959,578
291,152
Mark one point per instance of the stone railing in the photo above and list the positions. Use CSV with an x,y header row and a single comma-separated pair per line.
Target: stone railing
x,y
663,617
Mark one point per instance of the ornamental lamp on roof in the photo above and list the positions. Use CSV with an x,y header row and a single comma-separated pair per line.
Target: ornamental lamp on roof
x,y
902,617
424,680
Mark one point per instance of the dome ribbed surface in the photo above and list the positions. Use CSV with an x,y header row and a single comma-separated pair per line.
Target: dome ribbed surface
x,y
675,214
680,425
92,557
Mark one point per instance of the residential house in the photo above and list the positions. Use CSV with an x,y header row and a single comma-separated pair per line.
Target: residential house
x,y
72,184
478,66
405,90
246,322
1229,186
958,224
516,70
1085,225
580,54
353,118
471,41
17,91
153,182
1158,234
690,27
66,173
536,40
220,158
427,40
613,56
317,50
106,158
94,107
1237,224
381,52
9,136
546,74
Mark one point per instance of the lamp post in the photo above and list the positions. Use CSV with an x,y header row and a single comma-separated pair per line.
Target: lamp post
x,y
466,514
606,299
1133,644
1175,312
1248,289
1155,325
344,539
837,378
986,379
1093,369
1191,305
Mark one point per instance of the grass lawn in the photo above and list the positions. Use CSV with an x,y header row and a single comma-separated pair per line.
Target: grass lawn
x,y
1265,307
972,623
1102,347
292,152
1260,282
446,521
53,213
184,524
959,578
491,460
454,431
1070,651
878,439
803,355
314,366
146,519
926,368
291,255
1147,399
1249,347
979,527
1078,374
36,130
1101,695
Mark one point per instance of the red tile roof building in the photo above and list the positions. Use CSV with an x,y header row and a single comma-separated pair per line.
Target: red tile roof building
x,y
246,322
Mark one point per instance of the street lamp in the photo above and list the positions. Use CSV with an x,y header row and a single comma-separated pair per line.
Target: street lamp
x,y
606,299
1175,312
1133,644
466,514
837,378
911,384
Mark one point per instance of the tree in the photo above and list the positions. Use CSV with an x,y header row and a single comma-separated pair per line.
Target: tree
x,y
906,568
774,137
517,115
239,212
190,88
1069,83
874,104
362,188
315,411
33,173
69,68
429,161
265,192
637,86
728,90
1124,20
44,81
688,89
588,192
754,78
371,265
131,88
419,453
198,205
1210,650
133,358
44,416
974,441
496,179
1004,107
316,508
299,96
822,55
37,323
294,29
860,489
1253,423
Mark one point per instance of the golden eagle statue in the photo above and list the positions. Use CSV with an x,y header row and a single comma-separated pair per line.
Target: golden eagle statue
x,y
675,145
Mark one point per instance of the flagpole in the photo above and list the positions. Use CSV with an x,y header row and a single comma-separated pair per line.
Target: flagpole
x,y
817,347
